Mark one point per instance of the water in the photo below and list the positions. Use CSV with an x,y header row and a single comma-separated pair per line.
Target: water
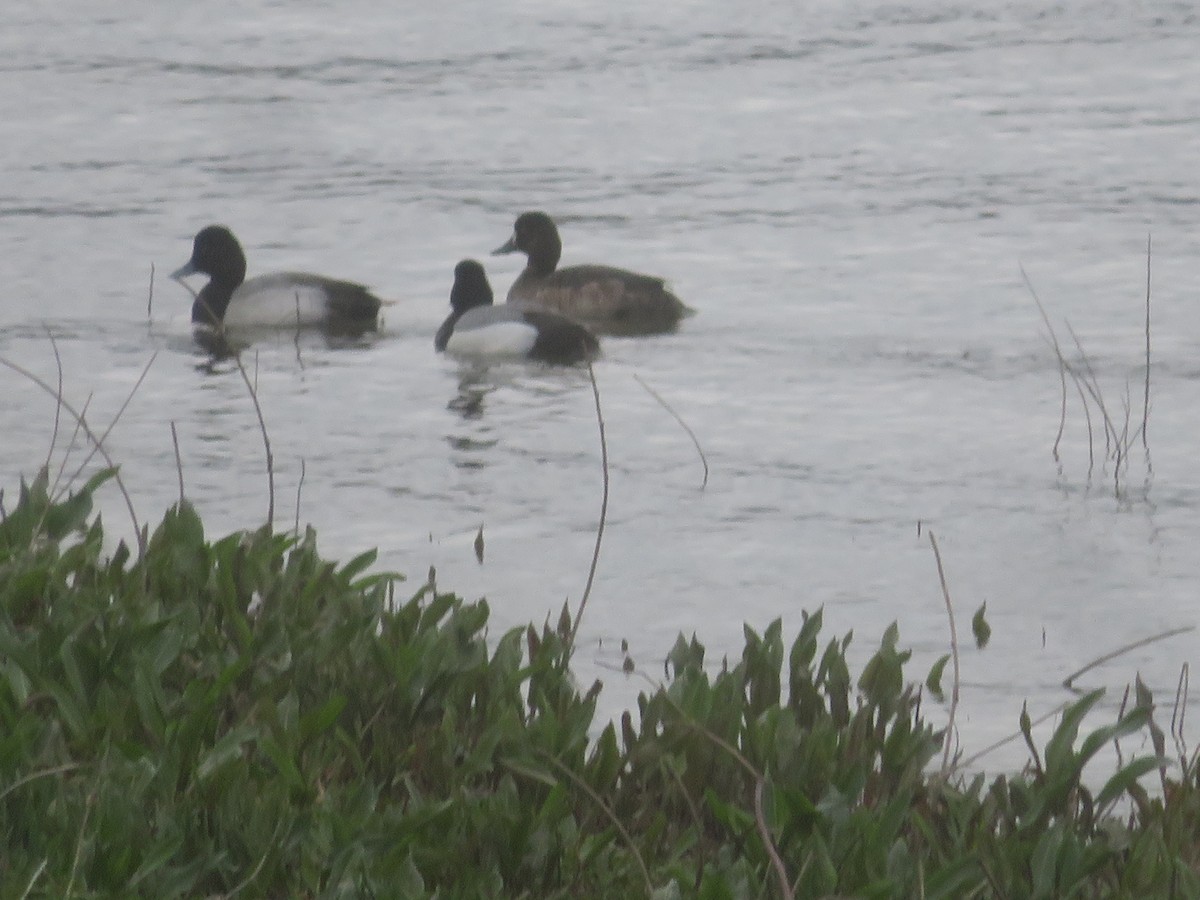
x,y
845,193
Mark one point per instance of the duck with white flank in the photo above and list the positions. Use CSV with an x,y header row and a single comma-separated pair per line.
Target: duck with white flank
x,y
278,300
478,329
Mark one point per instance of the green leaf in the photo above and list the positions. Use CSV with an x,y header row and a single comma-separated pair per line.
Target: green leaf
x,y
228,749
933,680
359,564
1126,777
70,515
1044,862
980,628
315,722
1060,747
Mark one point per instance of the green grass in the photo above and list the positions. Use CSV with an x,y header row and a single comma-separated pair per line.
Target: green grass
x,y
242,717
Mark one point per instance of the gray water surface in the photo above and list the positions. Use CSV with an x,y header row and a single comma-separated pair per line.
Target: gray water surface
x,y
846,194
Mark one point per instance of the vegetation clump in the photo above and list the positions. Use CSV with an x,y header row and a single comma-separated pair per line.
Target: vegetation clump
x,y
241,717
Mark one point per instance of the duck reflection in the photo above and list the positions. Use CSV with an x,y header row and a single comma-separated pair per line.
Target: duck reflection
x,y
473,389
217,347
471,444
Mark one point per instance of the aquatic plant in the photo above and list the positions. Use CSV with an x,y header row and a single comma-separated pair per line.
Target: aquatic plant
x,y
1119,437
239,716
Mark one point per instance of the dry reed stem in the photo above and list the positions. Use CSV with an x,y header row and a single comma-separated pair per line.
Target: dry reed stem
x,y
1092,385
62,466
1112,440
34,776
697,820
1082,385
178,460
82,423
1121,707
1117,442
587,590
299,488
296,335
1179,711
1065,369
612,817
120,412
1146,398
79,842
684,425
150,295
760,819
1062,418
1087,416
995,745
262,425
58,402
245,882
1068,682
953,652
1062,362
37,873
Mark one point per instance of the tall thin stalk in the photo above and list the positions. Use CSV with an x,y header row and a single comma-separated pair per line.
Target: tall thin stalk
x,y
262,425
1146,397
684,425
587,590
953,652
97,442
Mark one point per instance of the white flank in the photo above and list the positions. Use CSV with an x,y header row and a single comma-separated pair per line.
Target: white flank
x,y
275,301
498,339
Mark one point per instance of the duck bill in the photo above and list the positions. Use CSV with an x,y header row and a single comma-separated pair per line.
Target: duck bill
x,y
188,268
509,246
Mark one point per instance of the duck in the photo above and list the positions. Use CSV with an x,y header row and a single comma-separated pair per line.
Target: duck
x,y
280,299
607,299
476,328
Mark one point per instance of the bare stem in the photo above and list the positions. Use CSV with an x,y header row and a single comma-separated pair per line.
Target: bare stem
x,y
58,400
37,873
995,745
296,336
1062,415
684,425
1069,681
612,816
62,466
785,889
178,459
262,425
248,880
1178,713
120,412
299,488
587,590
1146,398
953,651
760,820
1092,385
1087,415
96,442
1062,361
41,773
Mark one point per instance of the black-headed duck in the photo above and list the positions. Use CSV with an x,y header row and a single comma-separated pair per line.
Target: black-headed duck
x,y
478,329
280,300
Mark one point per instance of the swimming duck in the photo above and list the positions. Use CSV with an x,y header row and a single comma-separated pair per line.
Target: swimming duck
x,y
281,299
608,299
476,328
